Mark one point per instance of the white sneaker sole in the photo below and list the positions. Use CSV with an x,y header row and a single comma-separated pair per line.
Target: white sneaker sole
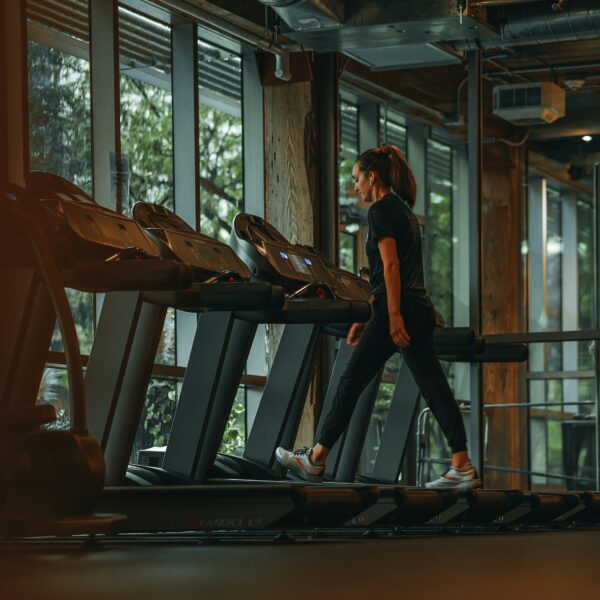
x,y
300,473
295,468
461,486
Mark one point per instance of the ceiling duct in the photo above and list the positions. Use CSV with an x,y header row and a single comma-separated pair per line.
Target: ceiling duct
x,y
374,23
537,22
309,15
351,25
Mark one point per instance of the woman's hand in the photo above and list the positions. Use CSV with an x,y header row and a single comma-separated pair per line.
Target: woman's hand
x,y
398,331
354,333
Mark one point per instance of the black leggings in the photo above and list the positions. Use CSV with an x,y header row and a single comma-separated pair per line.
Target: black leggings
x,y
374,348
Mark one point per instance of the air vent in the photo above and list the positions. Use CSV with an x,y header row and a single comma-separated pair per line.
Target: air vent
x,y
529,103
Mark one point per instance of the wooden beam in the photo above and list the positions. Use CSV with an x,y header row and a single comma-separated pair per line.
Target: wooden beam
x,y
554,170
501,311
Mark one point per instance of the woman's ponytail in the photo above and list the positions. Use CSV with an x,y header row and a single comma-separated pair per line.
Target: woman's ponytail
x,y
401,177
391,166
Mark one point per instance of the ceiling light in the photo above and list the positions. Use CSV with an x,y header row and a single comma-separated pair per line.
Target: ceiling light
x,y
587,138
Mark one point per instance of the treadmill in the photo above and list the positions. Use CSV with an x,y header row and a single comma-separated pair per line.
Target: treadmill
x,y
100,250
57,237
317,296
159,499
97,249
130,325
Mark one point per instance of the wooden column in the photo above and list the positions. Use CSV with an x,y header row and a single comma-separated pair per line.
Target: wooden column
x,y
501,309
292,177
14,119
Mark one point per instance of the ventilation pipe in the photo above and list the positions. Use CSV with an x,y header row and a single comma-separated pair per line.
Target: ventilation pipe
x,y
539,23
345,24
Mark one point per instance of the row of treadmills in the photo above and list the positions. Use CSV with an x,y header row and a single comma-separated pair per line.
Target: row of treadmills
x,y
53,235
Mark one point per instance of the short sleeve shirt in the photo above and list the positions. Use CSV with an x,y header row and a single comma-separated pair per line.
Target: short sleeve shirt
x,y
391,217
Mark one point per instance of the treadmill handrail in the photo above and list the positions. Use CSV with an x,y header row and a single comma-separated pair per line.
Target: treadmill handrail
x,y
29,217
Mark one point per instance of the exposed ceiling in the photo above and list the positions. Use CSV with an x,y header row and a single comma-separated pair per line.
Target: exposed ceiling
x,y
519,44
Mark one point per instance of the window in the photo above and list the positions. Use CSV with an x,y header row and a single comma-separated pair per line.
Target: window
x,y
146,165
586,252
438,229
146,111
157,417
561,253
348,248
348,153
60,133
234,438
392,129
221,150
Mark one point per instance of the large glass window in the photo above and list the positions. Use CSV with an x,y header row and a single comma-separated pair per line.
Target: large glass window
x,y
146,166
586,252
60,133
147,128
234,438
221,149
146,111
392,129
157,417
348,151
222,174
561,386
438,229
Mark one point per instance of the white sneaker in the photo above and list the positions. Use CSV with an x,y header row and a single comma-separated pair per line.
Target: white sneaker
x,y
455,479
299,463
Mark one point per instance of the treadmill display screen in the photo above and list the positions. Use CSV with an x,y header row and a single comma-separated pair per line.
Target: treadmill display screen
x,y
300,264
284,255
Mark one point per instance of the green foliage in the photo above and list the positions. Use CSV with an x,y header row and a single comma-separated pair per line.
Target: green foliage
x,y
160,408
221,171
82,308
439,253
60,135
146,122
60,129
147,143
234,438
54,389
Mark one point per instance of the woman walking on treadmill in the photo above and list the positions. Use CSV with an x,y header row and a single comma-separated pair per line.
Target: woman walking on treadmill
x,y
403,317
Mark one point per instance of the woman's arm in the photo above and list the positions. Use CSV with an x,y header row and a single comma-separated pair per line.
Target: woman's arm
x,y
356,329
391,274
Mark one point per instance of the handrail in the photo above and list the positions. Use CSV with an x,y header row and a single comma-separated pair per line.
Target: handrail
x,y
538,337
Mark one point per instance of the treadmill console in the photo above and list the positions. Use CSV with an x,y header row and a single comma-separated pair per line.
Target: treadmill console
x,y
93,229
273,258
177,239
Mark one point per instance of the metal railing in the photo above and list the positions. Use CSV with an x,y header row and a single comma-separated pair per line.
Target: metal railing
x,y
464,406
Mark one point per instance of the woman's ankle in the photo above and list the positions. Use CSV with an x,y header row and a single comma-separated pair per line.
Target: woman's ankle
x,y
319,453
461,459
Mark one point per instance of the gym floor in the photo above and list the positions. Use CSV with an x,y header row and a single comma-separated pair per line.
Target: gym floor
x,y
549,564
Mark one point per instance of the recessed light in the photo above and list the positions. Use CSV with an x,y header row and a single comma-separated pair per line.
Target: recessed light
x,y
587,138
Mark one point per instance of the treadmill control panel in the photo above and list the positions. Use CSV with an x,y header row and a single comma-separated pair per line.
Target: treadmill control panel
x,y
295,264
93,228
271,257
177,239
100,226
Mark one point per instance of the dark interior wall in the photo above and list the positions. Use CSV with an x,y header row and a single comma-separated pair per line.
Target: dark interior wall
x,y
13,92
3,100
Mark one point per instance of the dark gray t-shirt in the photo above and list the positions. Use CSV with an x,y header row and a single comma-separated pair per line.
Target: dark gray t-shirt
x,y
391,217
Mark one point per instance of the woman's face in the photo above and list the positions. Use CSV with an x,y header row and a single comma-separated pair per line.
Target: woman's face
x,y
361,183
